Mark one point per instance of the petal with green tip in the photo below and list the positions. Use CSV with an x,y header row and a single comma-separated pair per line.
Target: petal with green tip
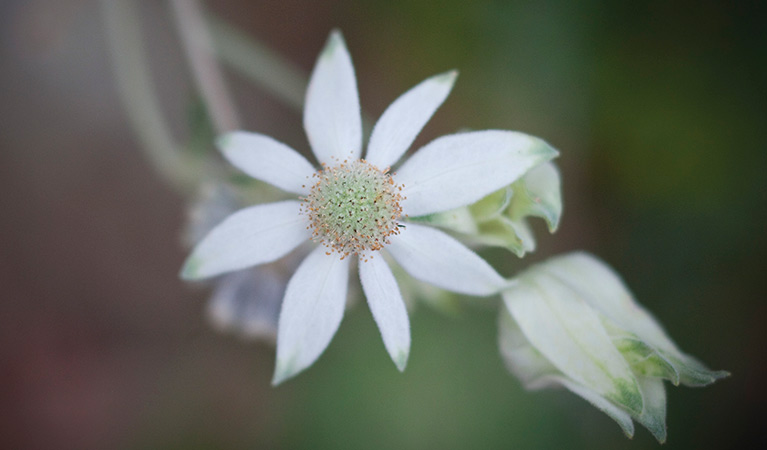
x,y
311,312
251,236
332,117
387,306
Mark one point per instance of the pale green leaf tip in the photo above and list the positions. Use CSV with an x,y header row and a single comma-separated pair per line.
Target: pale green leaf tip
x,y
712,376
548,151
224,141
552,218
628,432
335,41
283,371
658,430
191,268
518,251
401,360
448,77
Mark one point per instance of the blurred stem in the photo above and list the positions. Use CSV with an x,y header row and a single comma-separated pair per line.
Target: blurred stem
x,y
198,45
138,96
268,69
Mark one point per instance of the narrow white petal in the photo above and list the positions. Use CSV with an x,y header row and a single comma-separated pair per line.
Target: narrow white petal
x,y
460,169
311,312
332,113
251,236
569,333
403,120
387,306
268,160
434,257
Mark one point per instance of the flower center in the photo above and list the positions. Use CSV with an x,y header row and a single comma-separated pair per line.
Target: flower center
x,y
353,207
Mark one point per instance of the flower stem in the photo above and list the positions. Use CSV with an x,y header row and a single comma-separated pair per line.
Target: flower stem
x,y
137,93
269,70
198,45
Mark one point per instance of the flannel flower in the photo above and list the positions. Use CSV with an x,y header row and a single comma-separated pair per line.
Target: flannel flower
x,y
356,208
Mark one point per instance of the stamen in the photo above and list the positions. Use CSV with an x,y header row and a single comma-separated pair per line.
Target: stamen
x,y
353,208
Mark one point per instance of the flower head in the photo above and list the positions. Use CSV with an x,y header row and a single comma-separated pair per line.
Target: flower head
x,y
355,207
572,322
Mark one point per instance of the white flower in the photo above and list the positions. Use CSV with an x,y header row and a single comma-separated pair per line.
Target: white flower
x,y
573,323
356,207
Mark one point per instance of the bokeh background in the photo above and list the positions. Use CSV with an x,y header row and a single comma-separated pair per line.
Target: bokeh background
x,y
659,111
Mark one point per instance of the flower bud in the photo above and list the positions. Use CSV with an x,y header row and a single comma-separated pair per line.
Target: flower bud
x,y
571,321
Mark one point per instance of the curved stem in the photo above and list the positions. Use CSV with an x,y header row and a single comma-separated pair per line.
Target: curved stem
x,y
198,46
137,93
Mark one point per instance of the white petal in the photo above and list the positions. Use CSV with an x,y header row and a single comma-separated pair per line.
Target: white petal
x,y
536,372
603,289
570,334
268,160
332,112
387,306
460,169
403,120
519,355
434,257
251,236
311,312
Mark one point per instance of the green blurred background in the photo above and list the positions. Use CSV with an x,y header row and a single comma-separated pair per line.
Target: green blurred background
x,y
658,109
